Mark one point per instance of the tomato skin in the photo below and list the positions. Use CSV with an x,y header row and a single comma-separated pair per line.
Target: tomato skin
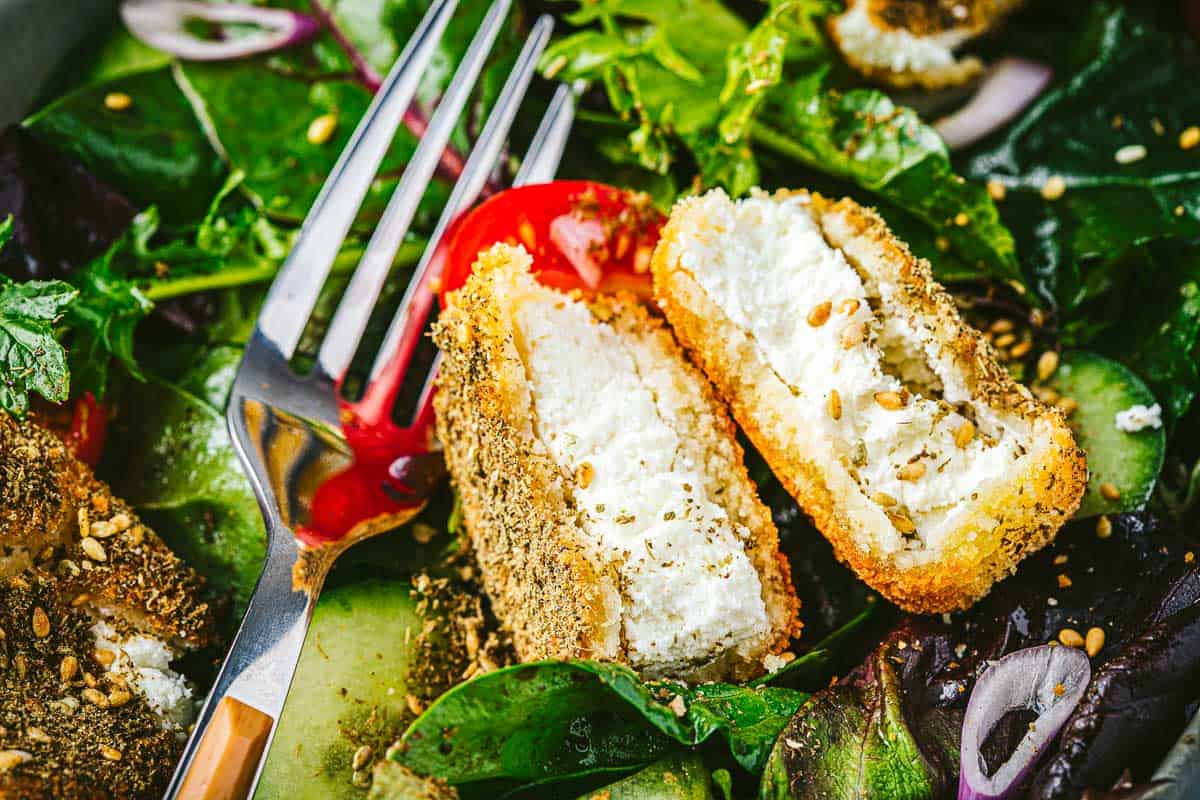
x,y
89,429
581,234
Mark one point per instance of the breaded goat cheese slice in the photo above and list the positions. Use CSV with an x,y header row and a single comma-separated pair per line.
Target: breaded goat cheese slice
x,y
602,486
906,43
889,420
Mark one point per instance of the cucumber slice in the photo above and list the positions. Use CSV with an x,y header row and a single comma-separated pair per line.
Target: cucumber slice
x,y
1129,461
349,690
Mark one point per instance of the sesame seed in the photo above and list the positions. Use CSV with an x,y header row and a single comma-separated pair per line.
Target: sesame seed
x,y
94,697
101,530
884,499
1047,364
584,474
1005,339
119,697
110,753
911,472
38,735
849,306
1059,690
852,335
1094,642
68,668
892,401
997,190
901,522
1130,154
362,757
961,219
414,704
1054,187
1021,348
1110,492
964,434
1189,557
820,314
93,549
834,404
41,623
104,657
80,599
1157,126
1103,527
321,129
1064,582
1190,137
117,101
1060,559
1002,325
1070,637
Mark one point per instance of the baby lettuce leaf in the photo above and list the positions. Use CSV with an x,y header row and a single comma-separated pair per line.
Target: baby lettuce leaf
x,y
861,136
154,151
872,735
552,720
1136,88
171,457
62,215
31,359
1134,709
677,777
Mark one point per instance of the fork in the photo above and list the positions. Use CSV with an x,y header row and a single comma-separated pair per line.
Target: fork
x,y
287,427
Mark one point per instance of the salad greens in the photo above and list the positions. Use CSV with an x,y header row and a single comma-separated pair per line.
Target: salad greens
x,y
139,238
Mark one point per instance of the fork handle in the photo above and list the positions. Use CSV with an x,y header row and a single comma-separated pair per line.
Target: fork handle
x,y
228,754
223,756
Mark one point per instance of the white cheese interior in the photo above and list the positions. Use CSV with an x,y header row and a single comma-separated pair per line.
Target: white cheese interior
x,y
145,664
765,262
689,592
895,49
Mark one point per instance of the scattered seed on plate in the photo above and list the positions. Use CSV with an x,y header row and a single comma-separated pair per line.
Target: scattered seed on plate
x,y
911,472
964,434
41,623
1070,637
1064,582
1110,492
1103,527
1047,364
1129,154
1094,642
892,401
1190,137
321,129
835,404
93,549
1054,187
961,219
996,190
117,101
820,314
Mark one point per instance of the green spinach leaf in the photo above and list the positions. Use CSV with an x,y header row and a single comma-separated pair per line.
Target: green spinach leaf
x,y
171,457
1136,88
544,720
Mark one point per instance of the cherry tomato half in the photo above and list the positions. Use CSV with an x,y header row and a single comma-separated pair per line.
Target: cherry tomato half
x,y
89,429
581,234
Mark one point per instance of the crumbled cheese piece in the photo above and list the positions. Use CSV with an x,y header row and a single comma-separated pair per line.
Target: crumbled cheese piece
x,y
1138,417
689,590
895,49
145,662
774,663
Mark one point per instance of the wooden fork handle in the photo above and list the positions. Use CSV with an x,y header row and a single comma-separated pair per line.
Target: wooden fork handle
x,y
228,755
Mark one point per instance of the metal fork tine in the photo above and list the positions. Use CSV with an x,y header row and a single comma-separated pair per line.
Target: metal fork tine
x,y
354,309
549,140
470,184
294,293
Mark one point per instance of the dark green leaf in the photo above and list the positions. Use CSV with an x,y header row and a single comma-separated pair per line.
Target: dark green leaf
x,y
154,151
863,137
174,462
1137,88
31,359
676,777
532,722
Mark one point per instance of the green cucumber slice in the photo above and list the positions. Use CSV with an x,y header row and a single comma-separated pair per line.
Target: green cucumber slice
x,y
1129,461
349,690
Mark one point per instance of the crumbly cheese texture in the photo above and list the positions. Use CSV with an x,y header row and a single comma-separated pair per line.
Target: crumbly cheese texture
x,y
145,664
689,592
1138,417
895,49
765,262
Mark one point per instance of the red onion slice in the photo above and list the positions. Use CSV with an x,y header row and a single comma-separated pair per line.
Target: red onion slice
x,y
1010,86
162,24
581,241
1046,680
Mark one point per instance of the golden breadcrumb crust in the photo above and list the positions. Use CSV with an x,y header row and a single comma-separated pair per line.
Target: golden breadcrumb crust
x,y
1016,518
49,500
518,505
924,18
